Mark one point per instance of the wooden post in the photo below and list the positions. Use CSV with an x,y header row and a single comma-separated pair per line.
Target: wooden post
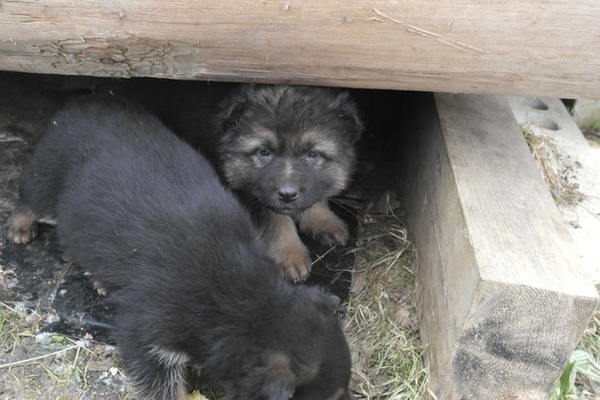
x,y
501,294
540,47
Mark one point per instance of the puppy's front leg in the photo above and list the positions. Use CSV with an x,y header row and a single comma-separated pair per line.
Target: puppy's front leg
x,y
284,245
154,373
320,222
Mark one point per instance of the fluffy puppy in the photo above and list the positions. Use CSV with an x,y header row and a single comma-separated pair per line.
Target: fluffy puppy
x,y
286,150
147,216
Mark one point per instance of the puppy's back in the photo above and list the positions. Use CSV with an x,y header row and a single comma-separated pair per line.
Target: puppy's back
x,y
83,126
131,185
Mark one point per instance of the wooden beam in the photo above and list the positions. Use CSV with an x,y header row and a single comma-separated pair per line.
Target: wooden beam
x,y
501,293
541,47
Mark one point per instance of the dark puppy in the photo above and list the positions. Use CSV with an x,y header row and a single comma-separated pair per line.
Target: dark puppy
x,y
181,260
286,150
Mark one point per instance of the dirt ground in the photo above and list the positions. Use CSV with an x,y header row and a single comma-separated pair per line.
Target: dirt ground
x,y
36,363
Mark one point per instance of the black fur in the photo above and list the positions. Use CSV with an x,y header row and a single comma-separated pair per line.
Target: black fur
x,y
181,260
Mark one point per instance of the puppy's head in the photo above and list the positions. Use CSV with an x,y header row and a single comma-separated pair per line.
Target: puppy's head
x,y
288,147
303,356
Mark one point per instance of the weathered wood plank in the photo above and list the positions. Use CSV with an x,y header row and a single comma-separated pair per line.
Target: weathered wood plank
x,y
542,47
502,295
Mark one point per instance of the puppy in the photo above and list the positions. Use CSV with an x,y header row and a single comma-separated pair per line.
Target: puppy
x,y
285,150
181,261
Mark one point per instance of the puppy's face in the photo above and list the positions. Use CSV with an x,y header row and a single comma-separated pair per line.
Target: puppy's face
x,y
288,147
304,356
332,375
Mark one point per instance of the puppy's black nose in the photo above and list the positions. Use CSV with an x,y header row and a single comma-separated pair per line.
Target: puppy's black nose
x,y
287,193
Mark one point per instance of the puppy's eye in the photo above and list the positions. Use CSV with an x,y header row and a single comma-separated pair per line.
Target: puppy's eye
x,y
263,152
312,154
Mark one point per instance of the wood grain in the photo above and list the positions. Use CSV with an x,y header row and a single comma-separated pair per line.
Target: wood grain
x,y
543,47
501,292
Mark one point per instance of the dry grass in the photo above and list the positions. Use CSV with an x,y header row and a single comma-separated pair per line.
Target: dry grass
x,y
381,320
557,172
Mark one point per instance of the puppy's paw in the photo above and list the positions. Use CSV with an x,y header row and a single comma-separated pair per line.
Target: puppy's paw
x,y
284,246
334,232
66,256
22,226
99,288
296,263
321,223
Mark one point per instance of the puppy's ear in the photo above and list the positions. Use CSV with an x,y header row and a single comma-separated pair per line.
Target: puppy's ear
x,y
233,113
326,302
279,378
347,111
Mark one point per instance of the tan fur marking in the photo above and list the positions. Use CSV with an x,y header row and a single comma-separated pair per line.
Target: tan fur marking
x,y
310,137
284,246
308,372
289,168
248,144
181,394
319,141
320,222
260,137
266,135
173,387
22,225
